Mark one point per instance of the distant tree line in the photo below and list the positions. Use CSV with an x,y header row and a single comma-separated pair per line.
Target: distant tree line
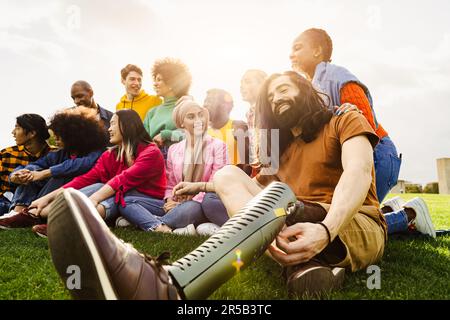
x,y
432,187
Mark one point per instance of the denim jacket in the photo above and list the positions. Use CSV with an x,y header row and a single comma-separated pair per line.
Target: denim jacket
x,y
62,164
330,79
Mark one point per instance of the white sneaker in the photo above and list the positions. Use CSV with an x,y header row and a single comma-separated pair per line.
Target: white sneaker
x,y
422,222
189,230
396,203
121,222
207,229
9,214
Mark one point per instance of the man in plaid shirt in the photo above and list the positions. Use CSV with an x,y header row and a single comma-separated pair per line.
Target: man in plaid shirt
x,y
30,134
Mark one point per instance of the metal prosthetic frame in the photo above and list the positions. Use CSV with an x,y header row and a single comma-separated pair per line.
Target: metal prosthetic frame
x,y
240,241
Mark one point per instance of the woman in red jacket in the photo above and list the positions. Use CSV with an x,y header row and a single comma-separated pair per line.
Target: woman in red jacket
x,y
127,177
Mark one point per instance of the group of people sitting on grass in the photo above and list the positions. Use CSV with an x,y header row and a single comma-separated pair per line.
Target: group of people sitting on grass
x,y
166,163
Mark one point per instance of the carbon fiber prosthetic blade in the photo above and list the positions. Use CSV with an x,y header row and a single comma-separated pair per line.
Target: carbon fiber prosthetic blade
x,y
240,241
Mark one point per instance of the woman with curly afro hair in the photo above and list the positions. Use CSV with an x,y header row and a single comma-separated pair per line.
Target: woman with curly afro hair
x,y
81,139
172,80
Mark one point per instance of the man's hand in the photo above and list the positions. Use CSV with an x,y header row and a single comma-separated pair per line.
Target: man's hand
x,y
299,243
188,188
23,176
158,140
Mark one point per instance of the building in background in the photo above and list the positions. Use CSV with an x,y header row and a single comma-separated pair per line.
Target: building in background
x,y
443,168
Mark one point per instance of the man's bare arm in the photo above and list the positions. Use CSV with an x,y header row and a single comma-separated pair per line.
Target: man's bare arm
x,y
354,184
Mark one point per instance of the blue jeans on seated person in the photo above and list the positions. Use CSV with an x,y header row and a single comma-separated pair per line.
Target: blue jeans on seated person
x,y
214,210
387,167
188,212
27,193
192,212
396,221
5,204
140,209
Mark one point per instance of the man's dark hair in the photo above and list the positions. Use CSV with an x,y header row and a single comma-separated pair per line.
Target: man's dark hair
x,y
79,130
34,122
175,74
314,112
129,68
319,37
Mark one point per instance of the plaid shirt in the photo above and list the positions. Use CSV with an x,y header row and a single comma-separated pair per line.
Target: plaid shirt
x,y
12,157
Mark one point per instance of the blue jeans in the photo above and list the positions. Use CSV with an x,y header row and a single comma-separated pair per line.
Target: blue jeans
x,y
396,221
214,210
387,167
111,208
5,204
139,209
192,212
27,193
142,210
189,212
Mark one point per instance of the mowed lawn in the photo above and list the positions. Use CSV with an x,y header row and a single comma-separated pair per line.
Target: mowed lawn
x,y
412,267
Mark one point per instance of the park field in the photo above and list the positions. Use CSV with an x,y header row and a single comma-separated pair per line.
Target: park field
x,y
412,268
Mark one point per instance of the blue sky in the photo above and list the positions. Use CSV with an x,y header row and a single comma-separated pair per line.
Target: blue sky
x,y
400,49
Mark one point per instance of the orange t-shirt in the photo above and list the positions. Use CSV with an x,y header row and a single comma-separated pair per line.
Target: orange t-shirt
x,y
312,170
354,94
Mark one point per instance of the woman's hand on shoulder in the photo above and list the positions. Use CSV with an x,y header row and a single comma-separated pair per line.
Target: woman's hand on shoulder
x,y
344,108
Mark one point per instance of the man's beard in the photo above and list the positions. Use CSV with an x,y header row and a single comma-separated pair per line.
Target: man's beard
x,y
289,118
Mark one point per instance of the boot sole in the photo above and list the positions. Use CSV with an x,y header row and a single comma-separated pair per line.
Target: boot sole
x,y
66,221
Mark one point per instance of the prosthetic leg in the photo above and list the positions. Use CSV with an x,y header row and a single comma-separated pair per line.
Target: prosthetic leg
x,y
240,241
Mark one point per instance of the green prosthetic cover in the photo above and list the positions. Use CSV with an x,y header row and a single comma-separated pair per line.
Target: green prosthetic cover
x,y
240,241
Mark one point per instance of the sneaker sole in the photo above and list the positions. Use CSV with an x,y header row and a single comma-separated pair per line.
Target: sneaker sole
x,y
41,235
316,281
65,220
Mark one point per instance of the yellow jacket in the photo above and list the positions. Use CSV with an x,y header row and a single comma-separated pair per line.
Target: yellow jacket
x,y
141,104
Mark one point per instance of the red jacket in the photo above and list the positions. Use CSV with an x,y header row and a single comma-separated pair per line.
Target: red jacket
x,y
147,174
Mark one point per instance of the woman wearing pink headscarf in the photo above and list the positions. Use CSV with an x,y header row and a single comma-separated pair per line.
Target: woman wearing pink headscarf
x,y
195,159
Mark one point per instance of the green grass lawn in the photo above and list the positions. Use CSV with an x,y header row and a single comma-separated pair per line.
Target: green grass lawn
x,y
412,268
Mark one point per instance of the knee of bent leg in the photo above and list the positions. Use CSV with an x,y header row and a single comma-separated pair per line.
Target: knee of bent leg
x,y
225,177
